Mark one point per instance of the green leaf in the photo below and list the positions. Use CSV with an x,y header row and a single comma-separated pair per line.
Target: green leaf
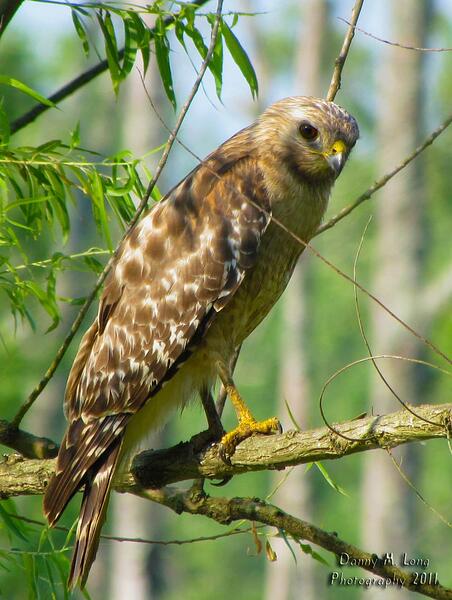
x,y
240,57
282,533
75,136
328,479
96,192
132,30
5,130
80,29
306,548
162,54
216,62
26,90
111,49
13,526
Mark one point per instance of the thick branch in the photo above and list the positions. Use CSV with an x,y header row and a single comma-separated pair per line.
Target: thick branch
x,y
182,462
27,444
226,510
158,468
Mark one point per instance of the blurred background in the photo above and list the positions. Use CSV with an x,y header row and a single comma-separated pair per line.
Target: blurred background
x,y
398,96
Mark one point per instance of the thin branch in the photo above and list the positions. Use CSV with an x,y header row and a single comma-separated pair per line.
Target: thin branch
x,y
340,60
227,510
183,462
141,208
138,540
8,9
404,46
384,180
82,79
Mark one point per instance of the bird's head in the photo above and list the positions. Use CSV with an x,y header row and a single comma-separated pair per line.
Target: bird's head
x,y
311,137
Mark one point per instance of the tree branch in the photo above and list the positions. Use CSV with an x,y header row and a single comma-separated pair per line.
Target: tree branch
x,y
81,80
27,444
226,510
19,476
340,60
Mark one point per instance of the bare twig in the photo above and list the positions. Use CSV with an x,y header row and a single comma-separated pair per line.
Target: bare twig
x,y
138,540
81,80
340,60
384,180
364,336
141,208
404,46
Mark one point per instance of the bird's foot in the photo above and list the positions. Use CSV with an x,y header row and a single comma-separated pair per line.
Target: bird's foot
x,y
245,429
203,439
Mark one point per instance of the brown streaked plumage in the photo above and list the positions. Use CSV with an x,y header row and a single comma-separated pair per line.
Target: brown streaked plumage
x,y
191,281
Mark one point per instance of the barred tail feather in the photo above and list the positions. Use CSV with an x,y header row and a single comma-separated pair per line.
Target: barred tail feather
x,y
92,516
66,481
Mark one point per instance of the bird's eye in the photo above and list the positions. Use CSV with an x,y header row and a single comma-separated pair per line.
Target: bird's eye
x,y
308,132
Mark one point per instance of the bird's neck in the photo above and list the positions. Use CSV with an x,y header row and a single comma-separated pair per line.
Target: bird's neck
x,y
297,205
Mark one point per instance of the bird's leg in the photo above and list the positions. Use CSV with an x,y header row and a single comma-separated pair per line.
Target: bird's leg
x,y
215,430
247,423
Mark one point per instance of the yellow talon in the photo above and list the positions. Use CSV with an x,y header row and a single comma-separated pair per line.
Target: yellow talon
x,y
244,430
247,426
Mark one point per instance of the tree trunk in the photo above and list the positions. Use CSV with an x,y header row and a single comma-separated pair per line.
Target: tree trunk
x,y
387,517
285,579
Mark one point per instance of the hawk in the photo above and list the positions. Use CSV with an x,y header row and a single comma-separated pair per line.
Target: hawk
x,y
191,281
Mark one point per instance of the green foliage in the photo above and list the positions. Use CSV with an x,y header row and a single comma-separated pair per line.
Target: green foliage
x,y
37,188
32,554
38,185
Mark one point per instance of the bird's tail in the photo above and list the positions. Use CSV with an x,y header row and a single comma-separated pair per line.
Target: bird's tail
x,y
92,516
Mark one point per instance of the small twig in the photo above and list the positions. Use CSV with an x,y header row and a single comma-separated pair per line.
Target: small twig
x,y
137,540
340,60
407,480
363,332
81,80
141,208
404,46
384,180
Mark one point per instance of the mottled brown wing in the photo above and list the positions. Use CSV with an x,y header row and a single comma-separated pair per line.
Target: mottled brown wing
x,y
177,269
180,266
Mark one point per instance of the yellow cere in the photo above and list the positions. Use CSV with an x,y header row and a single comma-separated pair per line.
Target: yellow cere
x,y
338,147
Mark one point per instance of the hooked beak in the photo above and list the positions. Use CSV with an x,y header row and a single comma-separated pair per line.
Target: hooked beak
x,y
336,156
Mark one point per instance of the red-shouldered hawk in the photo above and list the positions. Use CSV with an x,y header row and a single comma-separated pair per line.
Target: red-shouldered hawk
x,y
192,280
